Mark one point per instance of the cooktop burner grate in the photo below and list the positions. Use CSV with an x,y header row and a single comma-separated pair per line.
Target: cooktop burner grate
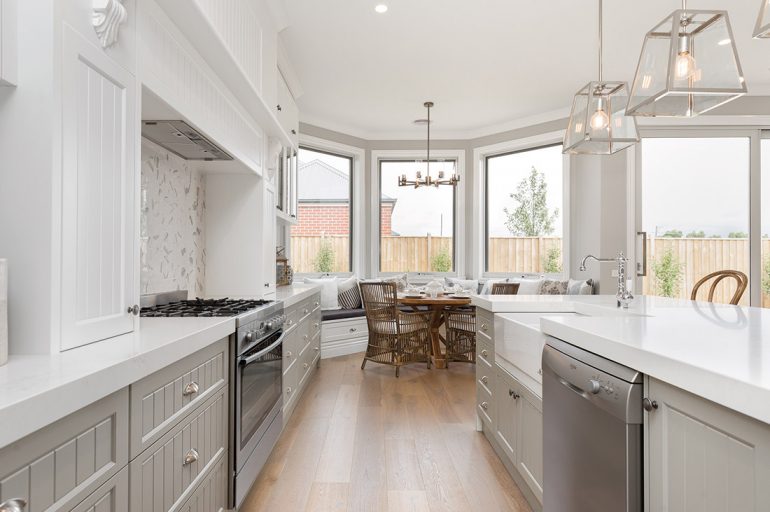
x,y
203,307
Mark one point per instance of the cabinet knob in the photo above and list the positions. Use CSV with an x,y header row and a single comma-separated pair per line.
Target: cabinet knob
x,y
288,354
305,366
484,327
288,390
316,348
484,405
13,505
317,303
278,108
293,132
513,394
316,325
305,311
132,310
484,379
353,329
484,353
649,405
305,337
267,285
190,457
191,389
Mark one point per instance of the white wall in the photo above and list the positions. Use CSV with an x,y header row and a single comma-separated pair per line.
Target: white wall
x,y
172,233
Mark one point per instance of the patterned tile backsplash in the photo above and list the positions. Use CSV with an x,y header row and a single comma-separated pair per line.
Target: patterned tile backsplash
x,y
173,250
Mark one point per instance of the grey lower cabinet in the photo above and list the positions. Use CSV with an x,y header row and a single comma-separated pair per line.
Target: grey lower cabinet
x,y
59,466
301,350
702,456
158,445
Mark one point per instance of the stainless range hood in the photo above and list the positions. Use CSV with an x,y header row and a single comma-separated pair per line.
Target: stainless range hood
x,y
183,140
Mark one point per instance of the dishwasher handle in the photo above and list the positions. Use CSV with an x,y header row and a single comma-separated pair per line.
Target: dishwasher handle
x,y
615,396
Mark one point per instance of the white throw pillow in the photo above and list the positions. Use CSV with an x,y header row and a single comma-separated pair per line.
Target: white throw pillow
x,y
579,287
529,286
329,287
471,285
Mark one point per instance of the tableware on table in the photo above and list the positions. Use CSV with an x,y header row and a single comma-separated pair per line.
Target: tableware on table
x,y
434,289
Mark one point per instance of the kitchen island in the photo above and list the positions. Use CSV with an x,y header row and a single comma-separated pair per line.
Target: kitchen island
x,y
707,371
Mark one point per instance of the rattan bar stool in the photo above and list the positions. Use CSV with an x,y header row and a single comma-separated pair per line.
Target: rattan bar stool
x,y
396,337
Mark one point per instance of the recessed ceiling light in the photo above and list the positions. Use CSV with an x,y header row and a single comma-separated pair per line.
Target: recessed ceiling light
x,y
724,42
381,8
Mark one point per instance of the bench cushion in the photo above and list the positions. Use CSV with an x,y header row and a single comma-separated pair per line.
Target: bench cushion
x,y
342,314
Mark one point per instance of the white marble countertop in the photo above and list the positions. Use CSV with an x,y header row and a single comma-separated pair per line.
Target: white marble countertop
x,y
295,293
716,351
37,390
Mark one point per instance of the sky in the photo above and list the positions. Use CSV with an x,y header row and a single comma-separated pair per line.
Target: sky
x,y
694,184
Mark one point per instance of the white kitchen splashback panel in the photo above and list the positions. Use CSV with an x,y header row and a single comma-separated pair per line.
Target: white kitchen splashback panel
x,y
172,223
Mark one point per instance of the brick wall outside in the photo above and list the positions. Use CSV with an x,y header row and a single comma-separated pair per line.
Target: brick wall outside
x,y
332,219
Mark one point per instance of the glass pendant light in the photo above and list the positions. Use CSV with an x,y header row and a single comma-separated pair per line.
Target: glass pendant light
x,y
762,28
688,66
598,124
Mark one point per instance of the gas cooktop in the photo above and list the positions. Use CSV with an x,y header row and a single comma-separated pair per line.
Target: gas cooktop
x,y
204,307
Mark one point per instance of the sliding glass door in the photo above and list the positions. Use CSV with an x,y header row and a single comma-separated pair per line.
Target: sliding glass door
x,y
694,206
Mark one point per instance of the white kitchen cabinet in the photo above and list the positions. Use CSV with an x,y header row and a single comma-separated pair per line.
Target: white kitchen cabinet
x,y
268,236
507,394
288,113
99,179
702,456
8,42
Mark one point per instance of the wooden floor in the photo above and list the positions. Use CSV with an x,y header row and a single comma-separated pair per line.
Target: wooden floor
x,y
367,441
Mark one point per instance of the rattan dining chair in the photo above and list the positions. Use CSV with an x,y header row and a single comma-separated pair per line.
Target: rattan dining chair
x,y
741,279
460,335
396,337
505,288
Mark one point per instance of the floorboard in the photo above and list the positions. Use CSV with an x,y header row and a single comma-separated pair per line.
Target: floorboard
x,y
365,441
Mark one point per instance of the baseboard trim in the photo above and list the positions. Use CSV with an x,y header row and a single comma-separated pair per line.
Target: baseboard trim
x,y
534,503
343,347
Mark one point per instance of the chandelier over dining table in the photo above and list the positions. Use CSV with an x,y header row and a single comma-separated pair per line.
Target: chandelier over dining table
x,y
428,180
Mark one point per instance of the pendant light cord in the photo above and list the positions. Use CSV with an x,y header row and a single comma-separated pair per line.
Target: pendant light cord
x,y
428,168
601,37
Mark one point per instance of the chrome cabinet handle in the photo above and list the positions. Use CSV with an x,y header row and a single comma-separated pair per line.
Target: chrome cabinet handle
x,y
513,394
13,505
305,311
484,379
484,405
288,390
305,337
316,325
484,353
649,405
317,303
316,348
191,389
289,354
190,457
132,310
484,327
305,366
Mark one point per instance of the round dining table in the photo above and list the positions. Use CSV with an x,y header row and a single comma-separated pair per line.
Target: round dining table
x,y
436,307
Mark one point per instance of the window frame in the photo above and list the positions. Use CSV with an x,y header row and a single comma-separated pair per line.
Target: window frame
x,y
458,224
357,158
754,134
481,238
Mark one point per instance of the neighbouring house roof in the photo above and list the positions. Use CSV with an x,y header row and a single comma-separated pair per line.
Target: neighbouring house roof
x,y
319,182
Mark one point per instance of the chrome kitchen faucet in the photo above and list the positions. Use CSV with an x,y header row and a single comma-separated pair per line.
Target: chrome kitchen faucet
x,y
623,295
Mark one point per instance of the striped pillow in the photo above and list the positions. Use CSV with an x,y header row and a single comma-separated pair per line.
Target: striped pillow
x,y
348,294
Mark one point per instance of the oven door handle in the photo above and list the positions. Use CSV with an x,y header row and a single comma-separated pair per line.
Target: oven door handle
x,y
252,358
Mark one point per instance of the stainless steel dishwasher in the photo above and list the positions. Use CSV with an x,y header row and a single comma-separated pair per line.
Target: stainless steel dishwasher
x,y
592,432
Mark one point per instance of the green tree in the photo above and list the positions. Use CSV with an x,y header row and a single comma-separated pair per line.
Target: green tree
x,y
441,261
696,234
324,260
552,261
668,274
766,276
738,234
673,233
531,216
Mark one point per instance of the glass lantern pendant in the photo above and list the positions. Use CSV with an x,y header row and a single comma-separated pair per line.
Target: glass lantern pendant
x,y
688,66
762,28
598,124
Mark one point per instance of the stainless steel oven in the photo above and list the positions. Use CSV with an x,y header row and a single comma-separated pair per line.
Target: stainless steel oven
x,y
257,400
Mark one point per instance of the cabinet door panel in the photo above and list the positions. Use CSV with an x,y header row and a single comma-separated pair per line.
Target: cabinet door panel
x,y
530,447
508,412
268,246
703,456
98,181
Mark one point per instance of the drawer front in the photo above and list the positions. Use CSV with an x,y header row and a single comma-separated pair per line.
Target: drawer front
x,y
292,345
485,350
211,494
307,358
485,376
60,465
314,324
485,405
346,329
292,319
486,323
165,475
110,497
161,400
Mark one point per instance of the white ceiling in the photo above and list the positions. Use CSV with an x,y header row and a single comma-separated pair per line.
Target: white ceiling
x,y
489,65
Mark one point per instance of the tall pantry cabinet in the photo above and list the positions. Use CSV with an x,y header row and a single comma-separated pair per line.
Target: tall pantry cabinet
x,y
67,198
